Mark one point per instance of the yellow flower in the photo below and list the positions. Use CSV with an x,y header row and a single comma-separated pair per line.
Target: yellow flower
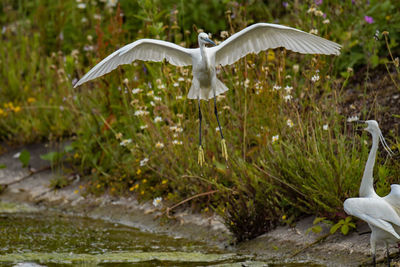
x,y
98,185
136,186
142,192
271,55
144,181
76,191
132,188
17,109
2,112
164,181
284,217
76,155
31,99
138,172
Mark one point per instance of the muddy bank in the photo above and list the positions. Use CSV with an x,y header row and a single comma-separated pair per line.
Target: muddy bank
x,y
281,244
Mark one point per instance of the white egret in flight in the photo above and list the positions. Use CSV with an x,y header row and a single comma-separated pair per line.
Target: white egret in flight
x,y
205,84
381,213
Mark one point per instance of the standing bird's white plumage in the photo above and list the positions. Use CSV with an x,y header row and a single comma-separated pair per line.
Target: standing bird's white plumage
x,y
205,84
381,213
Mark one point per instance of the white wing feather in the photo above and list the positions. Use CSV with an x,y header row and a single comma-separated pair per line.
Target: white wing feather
x,y
143,49
375,211
263,36
394,197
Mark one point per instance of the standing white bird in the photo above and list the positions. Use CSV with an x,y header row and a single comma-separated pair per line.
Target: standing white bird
x,y
205,84
381,213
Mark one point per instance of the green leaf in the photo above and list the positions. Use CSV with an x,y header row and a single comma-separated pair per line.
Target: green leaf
x,y
318,219
336,227
25,157
348,219
51,156
2,166
345,229
68,149
316,229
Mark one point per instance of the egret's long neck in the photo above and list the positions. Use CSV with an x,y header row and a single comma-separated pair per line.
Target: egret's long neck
x,y
367,183
204,55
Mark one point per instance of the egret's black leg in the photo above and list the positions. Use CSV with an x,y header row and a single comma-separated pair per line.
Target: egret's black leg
x,y
200,118
374,260
200,158
388,255
223,144
216,115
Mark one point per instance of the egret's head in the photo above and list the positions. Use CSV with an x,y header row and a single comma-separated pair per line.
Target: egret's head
x,y
373,128
203,39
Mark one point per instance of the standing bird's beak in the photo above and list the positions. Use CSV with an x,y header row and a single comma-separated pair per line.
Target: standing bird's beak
x,y
210,41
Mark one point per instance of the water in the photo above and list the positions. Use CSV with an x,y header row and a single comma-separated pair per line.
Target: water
x,y
33,239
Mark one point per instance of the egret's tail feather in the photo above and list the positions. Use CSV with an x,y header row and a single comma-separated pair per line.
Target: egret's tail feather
x,y
206,93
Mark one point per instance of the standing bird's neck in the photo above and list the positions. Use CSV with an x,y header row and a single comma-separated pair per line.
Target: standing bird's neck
x,y
204,54
367,183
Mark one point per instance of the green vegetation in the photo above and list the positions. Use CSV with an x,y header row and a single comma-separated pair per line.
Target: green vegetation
x,y
291,149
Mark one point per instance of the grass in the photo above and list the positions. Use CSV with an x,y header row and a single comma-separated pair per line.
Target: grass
x,y
291,151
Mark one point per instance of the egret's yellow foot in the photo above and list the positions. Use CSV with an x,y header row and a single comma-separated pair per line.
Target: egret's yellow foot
x,y
200,158
224,150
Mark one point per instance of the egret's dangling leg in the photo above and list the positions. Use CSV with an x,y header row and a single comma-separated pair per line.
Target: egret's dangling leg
x,y
200,157
388,255
223,144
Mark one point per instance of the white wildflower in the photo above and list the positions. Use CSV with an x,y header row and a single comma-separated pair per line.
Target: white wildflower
x,y
140,113
275,138
152,103
150,93
318,13
159,145
125,81
325,127
224,34
314,31
296,68
177,142
276,87
16,155
143,162
157,119
326,21
157,201
315,78
179,97
287,97
181,79
81,5
288,89
142,127
112,3
353,118
136,91
125,142
157,98
97,16
176,84
289,123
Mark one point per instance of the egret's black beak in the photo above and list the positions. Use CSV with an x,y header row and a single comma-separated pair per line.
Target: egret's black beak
x,y
210,41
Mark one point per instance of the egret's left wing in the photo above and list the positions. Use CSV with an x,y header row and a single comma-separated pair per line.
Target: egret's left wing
x,y
263,36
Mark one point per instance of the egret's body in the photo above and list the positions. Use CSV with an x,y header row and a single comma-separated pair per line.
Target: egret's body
x,y
205,84
381,213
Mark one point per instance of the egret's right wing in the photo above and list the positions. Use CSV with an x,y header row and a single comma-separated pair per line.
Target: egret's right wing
x,y
143,49
375,211
394,197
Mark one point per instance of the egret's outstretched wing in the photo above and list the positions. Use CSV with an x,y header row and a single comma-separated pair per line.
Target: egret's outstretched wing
x,y
375,211
394,197
144,49
263,36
